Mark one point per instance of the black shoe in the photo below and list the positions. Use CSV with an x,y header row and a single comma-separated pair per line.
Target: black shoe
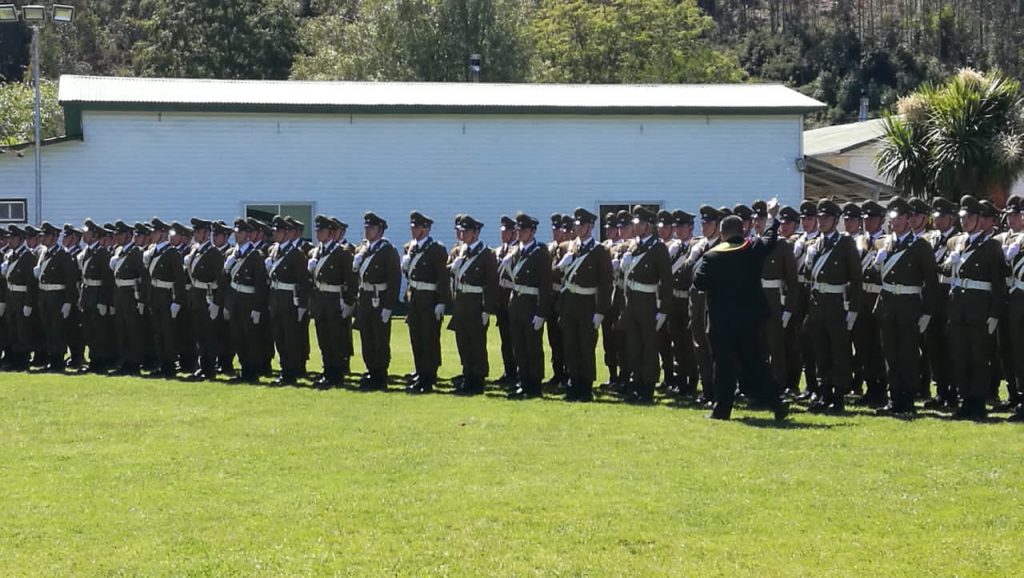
x,y
718,415
410,377
1018,415
524,391
971,410
781,411
1005,406
936,403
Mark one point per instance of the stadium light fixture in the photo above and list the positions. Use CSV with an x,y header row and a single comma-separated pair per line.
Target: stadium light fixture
x,y
8,13
33,13
63,13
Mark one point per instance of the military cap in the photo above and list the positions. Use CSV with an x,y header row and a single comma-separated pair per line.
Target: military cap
x,y
829,207
122,227
988,208
524,221
507,223
257,225
623,218
872,209
919,206
340,224
220,228
726,211
788,214
969,205
3,233
760,208
468,223
370,219
201,224
243,225
109,228
181,229
294,223
898,206
852,211
610,221
681,217
91,226
709,214
142,229
158,225
582,216
642,214
1015,204
567,223
325,222
664,218
281,224
744,212
942,206
48,229
556,220
70,229
808,209
418,219
15,231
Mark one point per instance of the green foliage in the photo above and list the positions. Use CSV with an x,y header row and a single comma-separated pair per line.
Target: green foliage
x,y
17,105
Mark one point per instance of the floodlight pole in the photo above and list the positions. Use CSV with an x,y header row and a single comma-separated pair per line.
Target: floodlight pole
x,y
38,127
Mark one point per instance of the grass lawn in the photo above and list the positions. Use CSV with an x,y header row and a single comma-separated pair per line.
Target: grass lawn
x,y
118,476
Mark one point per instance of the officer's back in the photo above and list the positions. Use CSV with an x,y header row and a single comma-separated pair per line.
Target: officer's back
x,y
730,274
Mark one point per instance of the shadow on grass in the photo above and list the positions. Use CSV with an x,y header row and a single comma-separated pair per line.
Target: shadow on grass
x,y
769,423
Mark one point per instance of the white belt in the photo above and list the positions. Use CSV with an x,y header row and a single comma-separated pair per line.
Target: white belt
x,y
556,287
829,288
92,282
577,290
897,289
680,294
162,284
474,289
526,290
642,287
771,283
247,289
327,288
422,285
18,288
505,284
972,284
126,282
801,278
373,286
872,288
51,287
945,280
204,286
282,286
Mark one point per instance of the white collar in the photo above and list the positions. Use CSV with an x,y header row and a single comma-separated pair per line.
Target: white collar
x,y
974,236
643,240
904,236
473,246
586,242
813,235
160,246
423,241
94,245
527,247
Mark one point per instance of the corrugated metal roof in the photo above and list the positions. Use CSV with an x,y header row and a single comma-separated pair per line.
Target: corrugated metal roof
x,y
114,92
842,137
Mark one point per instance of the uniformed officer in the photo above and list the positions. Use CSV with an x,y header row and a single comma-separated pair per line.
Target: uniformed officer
x,y
976,264
428,294
730,276
557,248
289,299
345,347
833,267
58,290
945,217
685,370
781,289
245,303
130,278
204,265
188,347
648,279
1012,325
710,218
868,358
907,272
530,269
380,275
96,300
663,230
333,300
72,243
507,230
586,270
801,243
22,296
474,275
624,226
5,249
165,295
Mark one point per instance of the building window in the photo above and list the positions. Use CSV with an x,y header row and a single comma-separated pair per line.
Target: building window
x,y
13,210
614,208
267,211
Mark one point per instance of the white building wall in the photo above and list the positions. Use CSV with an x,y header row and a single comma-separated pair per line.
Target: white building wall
x,y
177,165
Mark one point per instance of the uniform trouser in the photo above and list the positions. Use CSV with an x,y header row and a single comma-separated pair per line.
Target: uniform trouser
x,y
287,330
330,333
528,342
826,327
20,329
555,344
508,352
898,317
774,339
470,335
76,335
738,355
1015,328
204,334
579,337
668,368
375,335
98,330
868,357
806,342
165,328
970,347
936,346
188,347
609,344
55,326
682,344
130,328
424,333
1008,357
701,346
638,321
794,354
247,337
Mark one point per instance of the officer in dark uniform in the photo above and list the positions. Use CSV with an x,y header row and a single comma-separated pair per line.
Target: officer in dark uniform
x,y
333,301
730,276
261,237
428,294
72,243
648,280
710,218
1012,324
530,302
289,299
668,383
188,347
686,374
380,276
619,373
351,296
801,243
557,248
246,294
22,296
4,250
130,278
166,294
204,266
58,290
474,275
97,298
936,345
503,254
782,291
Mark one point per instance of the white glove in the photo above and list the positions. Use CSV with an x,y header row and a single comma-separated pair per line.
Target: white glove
x,y
102,309
598,318
565,261
506,260
992,322
113,311
346,310
385,315
113,263
786,316
26,311
922,323
954,257
141,307
457,264
439,311
311,264
1011,251
268,263
485,318
357,261
538,322
255,316
37,270
626,260
65,310
406,260
227,314
301,312
175,310
659,321
214,311
851,319
615,264
229,263
3,309
881,256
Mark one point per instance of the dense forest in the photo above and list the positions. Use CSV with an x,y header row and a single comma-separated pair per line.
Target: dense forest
x,y
837,51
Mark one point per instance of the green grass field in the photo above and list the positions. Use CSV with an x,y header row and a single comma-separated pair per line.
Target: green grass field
x,y
110,476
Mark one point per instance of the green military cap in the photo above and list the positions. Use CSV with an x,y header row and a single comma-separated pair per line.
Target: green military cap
x,y
31,231
418,219
294,223
158,225
969,206
220,228
582,216
341,224
1014,204
201,224
142,229
468,223
726,211
664,218
458,220
181,229
524,221
988,208
642,214
709,214
829,207
567,223
121,227
70,229
788,214
919,206
556,220
872,209
744,212
681,217
281,224
808,209
15,231
852,211
243,225
623,218
370,219
90,226
507,223
898,206
610,221
47,229
325,222
943,206
760,208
